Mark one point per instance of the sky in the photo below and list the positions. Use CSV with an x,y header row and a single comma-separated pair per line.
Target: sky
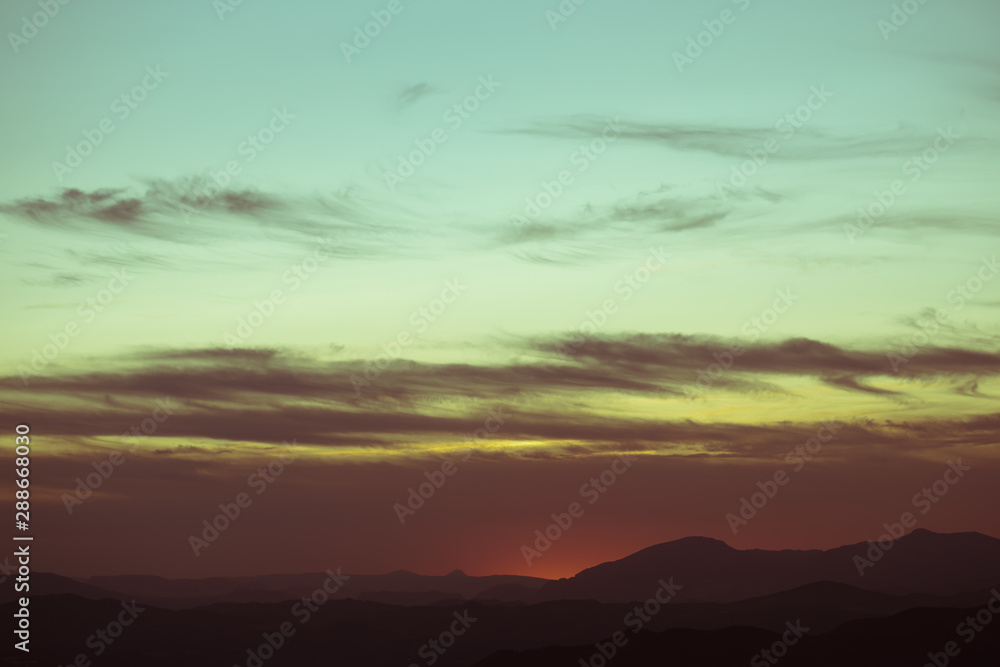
x,y
518,240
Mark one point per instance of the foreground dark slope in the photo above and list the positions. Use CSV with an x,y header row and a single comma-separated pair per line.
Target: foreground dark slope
x,y
935,577
903,640
365,633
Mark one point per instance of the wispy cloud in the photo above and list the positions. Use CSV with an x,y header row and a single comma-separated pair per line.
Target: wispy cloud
x,y
188,211
263,395
733,141
414,93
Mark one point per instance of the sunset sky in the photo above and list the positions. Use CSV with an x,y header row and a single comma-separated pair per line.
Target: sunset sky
x,y
599,210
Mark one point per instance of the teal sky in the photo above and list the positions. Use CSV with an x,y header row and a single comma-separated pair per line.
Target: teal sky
x,y
226,76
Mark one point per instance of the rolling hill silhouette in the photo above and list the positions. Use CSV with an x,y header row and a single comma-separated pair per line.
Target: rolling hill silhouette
x,y
910,603
712,571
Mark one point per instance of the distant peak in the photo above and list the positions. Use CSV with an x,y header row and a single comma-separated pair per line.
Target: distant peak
x,y
700,541
695,544
457,573
923,533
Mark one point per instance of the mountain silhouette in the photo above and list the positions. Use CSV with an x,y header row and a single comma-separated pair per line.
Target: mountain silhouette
x,y
711,571
398,587
731,605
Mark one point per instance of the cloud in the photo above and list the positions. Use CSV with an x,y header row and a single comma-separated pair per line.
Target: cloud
x,y
357,222
194,211
60,279
658,365
594,230
654,354
270,396
733,141
911,224
414,93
